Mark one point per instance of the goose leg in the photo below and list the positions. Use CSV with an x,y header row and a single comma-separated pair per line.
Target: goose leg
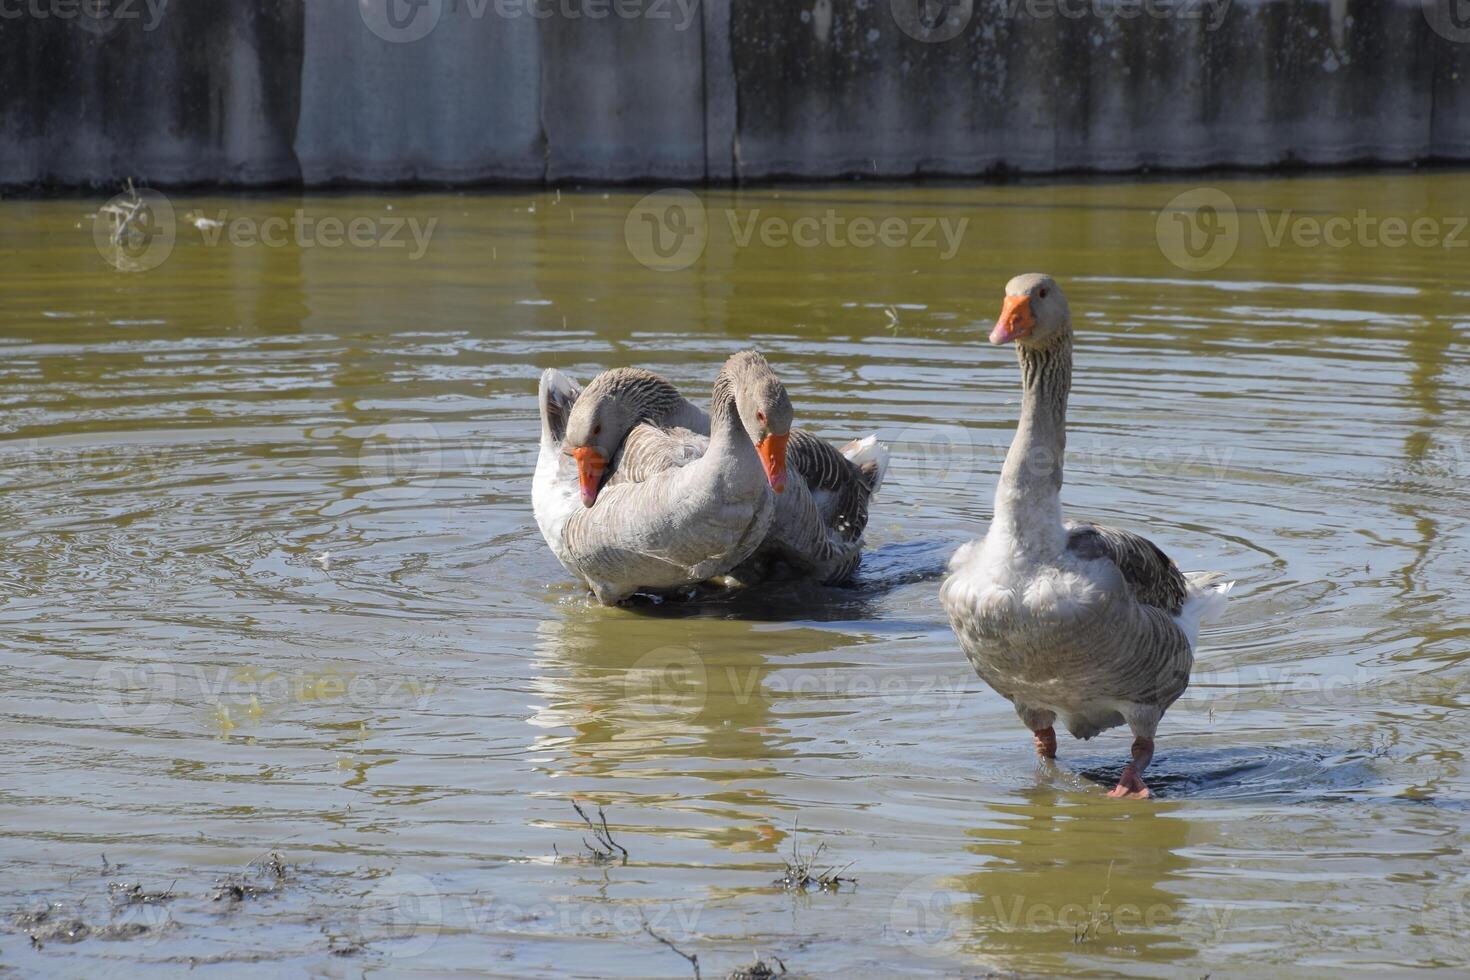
x,y
1131,784
1040,722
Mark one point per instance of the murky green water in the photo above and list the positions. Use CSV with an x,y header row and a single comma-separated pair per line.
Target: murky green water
x,y
269,580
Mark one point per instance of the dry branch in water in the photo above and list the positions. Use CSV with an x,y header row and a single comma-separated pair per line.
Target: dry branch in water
x,y
606,849
693,958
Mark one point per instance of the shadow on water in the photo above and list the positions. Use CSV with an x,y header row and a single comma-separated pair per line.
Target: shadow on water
x,y
884,570
1268,773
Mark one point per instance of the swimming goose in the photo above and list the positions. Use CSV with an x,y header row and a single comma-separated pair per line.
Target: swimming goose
x,y
817,531
680,526
1076,621
615,403
823,492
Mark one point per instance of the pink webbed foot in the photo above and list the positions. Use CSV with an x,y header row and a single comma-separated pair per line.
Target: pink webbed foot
x,y
1130,784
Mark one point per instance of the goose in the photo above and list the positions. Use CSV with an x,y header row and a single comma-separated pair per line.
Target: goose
x,y
1069,620
680,526
823,492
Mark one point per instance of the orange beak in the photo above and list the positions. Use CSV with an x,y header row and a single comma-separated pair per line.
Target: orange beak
x,y
1016,320
773,457
590,469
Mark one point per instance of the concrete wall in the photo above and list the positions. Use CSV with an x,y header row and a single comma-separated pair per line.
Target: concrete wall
x,y
256,92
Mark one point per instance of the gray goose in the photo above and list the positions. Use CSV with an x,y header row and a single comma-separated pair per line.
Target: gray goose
x,y
679,526
1076,621
823,492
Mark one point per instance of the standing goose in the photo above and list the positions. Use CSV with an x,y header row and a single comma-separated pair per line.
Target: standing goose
x,y
678,527
823,492
1078,621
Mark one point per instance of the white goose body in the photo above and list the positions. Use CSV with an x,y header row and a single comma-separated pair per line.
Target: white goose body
x,y
1087,624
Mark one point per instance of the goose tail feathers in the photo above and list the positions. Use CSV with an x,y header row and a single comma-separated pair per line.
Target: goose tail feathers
x,y
1207,593
555,396
871,457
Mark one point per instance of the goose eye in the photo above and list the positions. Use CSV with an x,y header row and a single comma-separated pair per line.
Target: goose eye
x,y
1043,292
597,430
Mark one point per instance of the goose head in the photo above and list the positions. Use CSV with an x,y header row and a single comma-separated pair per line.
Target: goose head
x,y
595,430
604,414
765,412
1035,313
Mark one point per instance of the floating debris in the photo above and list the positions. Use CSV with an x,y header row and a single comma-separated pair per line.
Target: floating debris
x,y
802,873
65,931
134,894
759,970
258,880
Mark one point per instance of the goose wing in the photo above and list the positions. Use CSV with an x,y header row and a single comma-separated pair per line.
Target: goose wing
x,y
649,449
840,487
1152,576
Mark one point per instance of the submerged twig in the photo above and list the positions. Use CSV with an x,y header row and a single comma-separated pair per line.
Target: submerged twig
x,y
606,848
693,958
123,213
1088,931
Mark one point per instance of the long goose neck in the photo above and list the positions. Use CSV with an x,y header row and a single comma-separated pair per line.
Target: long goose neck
x,y
1028,497
725,430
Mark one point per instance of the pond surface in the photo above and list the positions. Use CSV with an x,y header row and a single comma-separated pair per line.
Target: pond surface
x,y
269,582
